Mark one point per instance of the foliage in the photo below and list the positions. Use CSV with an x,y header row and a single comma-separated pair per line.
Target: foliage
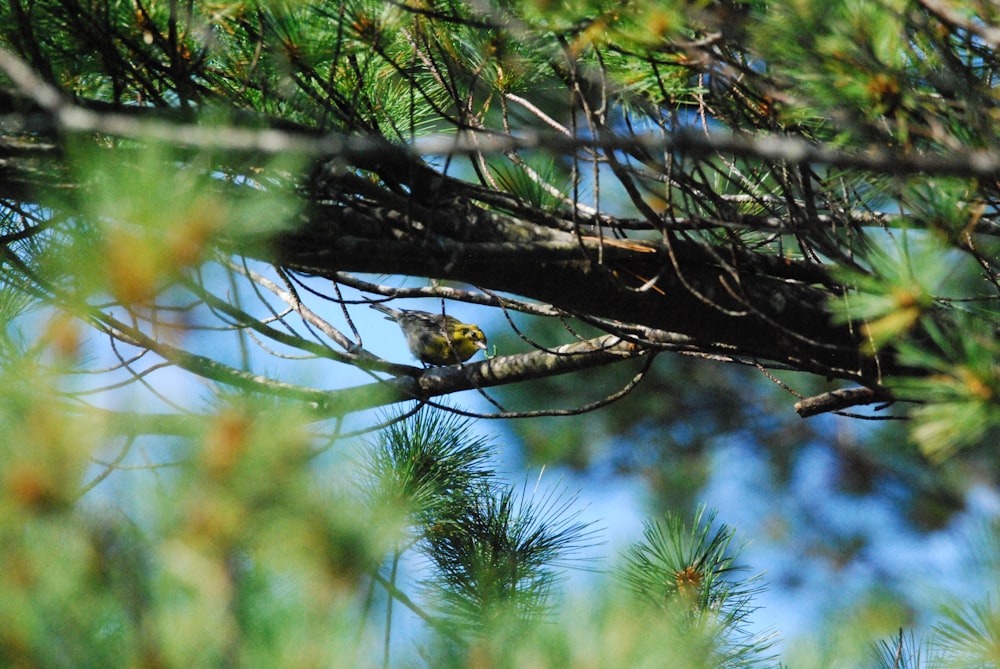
x,y
250,555
692,569
659,206
971,633
833,234
256,562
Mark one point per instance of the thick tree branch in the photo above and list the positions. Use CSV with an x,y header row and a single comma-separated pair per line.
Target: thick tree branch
x,y
758,306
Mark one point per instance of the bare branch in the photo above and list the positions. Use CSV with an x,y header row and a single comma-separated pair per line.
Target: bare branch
x,y
503,370
843,398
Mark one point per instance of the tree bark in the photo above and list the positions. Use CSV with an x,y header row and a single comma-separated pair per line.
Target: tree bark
x,y
723,298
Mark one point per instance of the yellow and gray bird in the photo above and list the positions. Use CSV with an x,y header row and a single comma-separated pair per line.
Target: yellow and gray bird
x,y
436,339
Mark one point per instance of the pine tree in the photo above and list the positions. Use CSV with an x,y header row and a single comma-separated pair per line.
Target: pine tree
x,y
200,201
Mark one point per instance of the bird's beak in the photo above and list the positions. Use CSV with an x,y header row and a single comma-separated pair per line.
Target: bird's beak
x,y
481,344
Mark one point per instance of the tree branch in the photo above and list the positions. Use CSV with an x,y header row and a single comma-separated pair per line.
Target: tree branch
x,y
66,115
837,400
498,371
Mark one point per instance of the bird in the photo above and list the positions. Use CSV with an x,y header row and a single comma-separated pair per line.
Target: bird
x,y
436,339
